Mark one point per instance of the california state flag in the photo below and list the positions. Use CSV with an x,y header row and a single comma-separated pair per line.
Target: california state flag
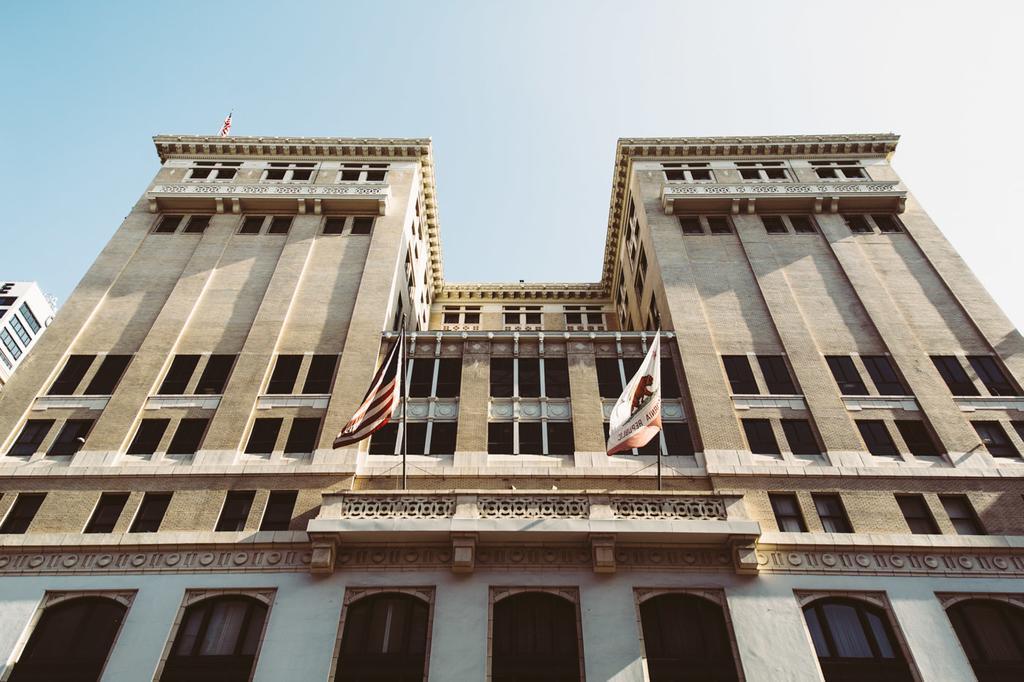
x,y
636,417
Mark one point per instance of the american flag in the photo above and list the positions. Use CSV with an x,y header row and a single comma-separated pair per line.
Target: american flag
x,y
380,402
226,128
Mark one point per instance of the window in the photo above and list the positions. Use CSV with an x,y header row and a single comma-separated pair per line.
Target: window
x,y
802,224
197,224
952,372
762,170
30,319
787,513
425,438
299,172
385,638
252,224
148,436
461,315
7,363
641,275
31,437
71,641
320,377
517,316
522,377
688,172
108,375
741,378
832,513
887,223
12,346
609,379
278,514
280,224
441,377
995,439
188,436
854,641
858,224
178,375
107,512
1018,426
217,641
773,224
590,315
215,375
362,172
302,437
151,513
991,375
20,331
800,437
760,437
915,511
71,437
677,439
168,224
686,640
846,375
362,225
286,371
881,371
71,375
840,170
776,375
719,224
961,514
20,516
691,224
334,225
263,437
214,170
917,437
992,635
534,637
503,437
235,512
876,437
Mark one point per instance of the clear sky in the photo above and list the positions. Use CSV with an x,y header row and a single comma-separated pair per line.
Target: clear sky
x,y
524,101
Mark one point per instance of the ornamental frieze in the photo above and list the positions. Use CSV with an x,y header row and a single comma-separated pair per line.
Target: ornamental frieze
x,y
963,563
127,560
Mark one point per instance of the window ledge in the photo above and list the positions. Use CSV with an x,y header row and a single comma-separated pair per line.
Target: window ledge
x,y
991,402
855,403
203,402
70,402
268,402
746,402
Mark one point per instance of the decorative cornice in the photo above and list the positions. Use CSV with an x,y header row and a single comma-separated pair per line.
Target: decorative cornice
x,y
533,291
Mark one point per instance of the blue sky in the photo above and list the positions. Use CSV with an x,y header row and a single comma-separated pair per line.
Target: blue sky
x,y
524,102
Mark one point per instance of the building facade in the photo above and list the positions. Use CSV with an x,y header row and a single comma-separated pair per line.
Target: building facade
x,y
842,488
25,313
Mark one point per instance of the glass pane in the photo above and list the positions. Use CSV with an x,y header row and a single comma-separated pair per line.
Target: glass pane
x,y
224,629
847,633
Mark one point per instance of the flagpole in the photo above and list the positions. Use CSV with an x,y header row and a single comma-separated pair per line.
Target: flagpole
x,y
657,335
405,393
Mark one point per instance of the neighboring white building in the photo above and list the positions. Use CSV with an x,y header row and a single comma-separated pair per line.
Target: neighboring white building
x,y
25,313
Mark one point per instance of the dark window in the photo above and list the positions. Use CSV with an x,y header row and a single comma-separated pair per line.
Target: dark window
x,y
992,635
442,438
876,437
854,641
846,375
449,378
995,439
71,437
179,374
691,225
280,224
858,223
282,381
72,374
529,377
252,224
263,436
560,438
776,374
952,372
280,506
534,637
773,224
71,642
991,375
147,437
107,511
686,640
421,382
556,378
530,438
20,516
168,224
235,512
416,435
302,437
669,381
741,378
881,371
832,513
31,437
384,440
919,517
760,437
1018,426
362,225
802,224
499,438
800,437
151,513
887,223
962,515
385,639
919,441
502,377
719,224
217,641
197,224
334,225
320,378
188,436
215,375
609,382
677,439
30,318
787,513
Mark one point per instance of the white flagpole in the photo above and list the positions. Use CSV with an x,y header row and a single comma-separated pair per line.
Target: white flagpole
x,y
405,395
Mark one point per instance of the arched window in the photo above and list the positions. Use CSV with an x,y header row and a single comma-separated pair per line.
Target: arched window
x,y
385,638
534,639
686,640
992,634
71,642
855,642
217,641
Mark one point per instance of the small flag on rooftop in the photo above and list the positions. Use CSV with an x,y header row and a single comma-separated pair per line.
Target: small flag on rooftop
x,y
226,128
636,417
380,402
